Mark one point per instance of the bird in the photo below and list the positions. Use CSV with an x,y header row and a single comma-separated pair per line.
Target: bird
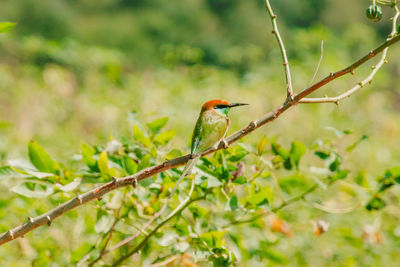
x,y
211,128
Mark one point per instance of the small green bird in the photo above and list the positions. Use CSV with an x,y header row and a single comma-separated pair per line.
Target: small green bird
x,y
210,129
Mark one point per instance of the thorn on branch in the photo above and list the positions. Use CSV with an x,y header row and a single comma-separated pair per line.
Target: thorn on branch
x,y
253,124
373,67
79,198
224,144
114,180
273,32
11,234
331,74
371,54
274,16
48,220
386,62
30,219
135,182
352,72
99,198
361,84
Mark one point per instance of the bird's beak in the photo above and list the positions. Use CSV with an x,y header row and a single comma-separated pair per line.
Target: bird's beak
x,y
237,104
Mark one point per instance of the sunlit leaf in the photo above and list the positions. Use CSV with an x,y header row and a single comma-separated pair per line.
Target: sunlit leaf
x,y
40,159
213,238
297,150
87,155
156,125
140,136
103,163
164,137
32,190
262,143
129,165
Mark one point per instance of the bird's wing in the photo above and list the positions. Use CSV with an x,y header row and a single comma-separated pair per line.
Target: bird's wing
x,y
196,137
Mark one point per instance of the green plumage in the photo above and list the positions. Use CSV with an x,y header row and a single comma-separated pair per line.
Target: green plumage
x,y
210,128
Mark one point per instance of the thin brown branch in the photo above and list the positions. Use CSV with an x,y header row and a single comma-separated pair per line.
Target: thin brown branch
x,y
275,31
109,235
275,209
149,222
98,192
177,211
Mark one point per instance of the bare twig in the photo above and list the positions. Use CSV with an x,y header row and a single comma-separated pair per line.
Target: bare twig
x,y
368,79
319,62
275,209
275,31
98,192
149,222
177,211
109,235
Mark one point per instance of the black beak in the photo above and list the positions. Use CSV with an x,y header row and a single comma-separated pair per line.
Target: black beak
x,y
237,104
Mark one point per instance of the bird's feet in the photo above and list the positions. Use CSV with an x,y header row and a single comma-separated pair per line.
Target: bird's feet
x,y
223,143
193,155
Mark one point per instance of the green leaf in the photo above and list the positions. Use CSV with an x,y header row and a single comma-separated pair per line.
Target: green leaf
x,y
87,154
103,224
322,154
213,239
32,190
156,125
81,251
7,172
262,143
280,151
297,150
103,163
395,174
262,197
233,203
240,180
355,144
140,136
335,164
129,165
40,159
6,26
164,137
339,175
376,203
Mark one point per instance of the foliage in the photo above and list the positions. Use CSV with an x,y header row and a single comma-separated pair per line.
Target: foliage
x,y
295,193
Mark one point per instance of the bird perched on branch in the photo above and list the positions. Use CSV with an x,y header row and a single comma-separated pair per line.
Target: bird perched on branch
x,y
210,129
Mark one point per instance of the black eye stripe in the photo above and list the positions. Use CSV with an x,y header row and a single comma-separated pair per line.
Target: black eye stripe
x,y
220,106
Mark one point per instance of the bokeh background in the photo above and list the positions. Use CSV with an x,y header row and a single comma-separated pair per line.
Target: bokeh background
x,y
72,71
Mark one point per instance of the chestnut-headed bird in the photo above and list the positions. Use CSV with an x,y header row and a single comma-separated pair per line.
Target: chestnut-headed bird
x,y
210,129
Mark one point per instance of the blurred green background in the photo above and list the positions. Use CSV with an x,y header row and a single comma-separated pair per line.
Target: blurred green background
x,y
71,71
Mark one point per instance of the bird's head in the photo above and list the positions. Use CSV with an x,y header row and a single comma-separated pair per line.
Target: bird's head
x,y
220,106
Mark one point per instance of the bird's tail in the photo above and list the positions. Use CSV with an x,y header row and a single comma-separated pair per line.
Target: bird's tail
x,y
186,171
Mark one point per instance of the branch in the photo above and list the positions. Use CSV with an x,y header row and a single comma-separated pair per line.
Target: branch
x,y
368,79
281,206
177,211
275,31
98,192
149,222
109,235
